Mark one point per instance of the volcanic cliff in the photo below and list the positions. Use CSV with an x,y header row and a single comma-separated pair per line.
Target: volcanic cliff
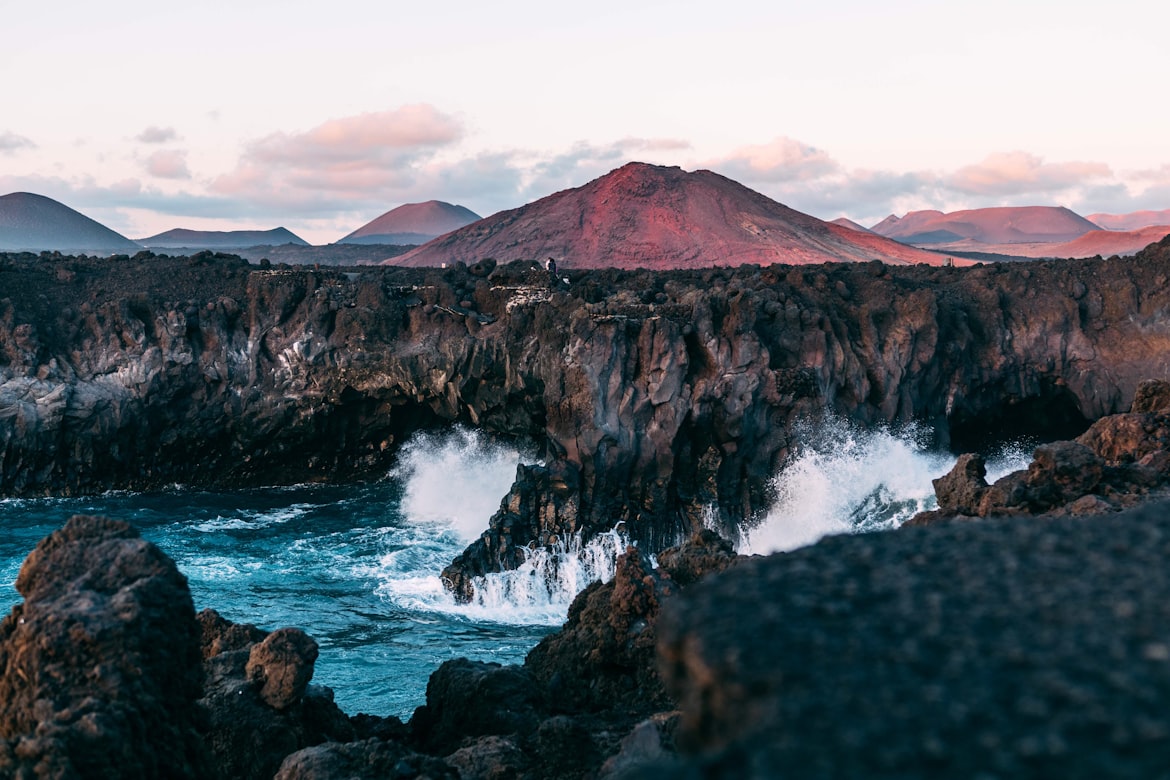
x,y
652,397
648,216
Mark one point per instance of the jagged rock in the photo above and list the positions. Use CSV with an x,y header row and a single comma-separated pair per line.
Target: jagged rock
x,y
542,508
1152,397
99,667
992,649
649,745
474,699
260,707
491,758
370,759
706,552
961,490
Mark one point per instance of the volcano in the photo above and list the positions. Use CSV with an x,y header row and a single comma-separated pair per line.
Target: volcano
x,y
1000,225
181,238
412,223
34,223
648,216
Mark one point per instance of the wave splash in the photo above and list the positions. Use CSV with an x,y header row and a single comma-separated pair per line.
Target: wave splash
x,y
847,479
453,483
455,479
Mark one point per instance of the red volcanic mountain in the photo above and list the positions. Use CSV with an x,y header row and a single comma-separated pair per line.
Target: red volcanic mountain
x,y
1001,225
647,216
1097,242
412,223
1133,221
31,222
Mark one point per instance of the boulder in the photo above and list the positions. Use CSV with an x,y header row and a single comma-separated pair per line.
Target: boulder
x,y
99,666
991,649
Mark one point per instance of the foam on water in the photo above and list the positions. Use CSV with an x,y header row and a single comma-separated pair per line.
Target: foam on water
x,y
847,479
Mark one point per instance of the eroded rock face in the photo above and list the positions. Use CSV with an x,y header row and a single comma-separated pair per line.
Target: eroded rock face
x,y
99,667
662,394
1121,461
1001,648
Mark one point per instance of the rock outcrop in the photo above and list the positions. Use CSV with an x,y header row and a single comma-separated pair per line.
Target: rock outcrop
x,y
99,667
1120,461
657,396
1003,648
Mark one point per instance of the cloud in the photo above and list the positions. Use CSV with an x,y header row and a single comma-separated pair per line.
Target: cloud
x,y
168,164
781,160
157,135
1021,173
11,142
356,159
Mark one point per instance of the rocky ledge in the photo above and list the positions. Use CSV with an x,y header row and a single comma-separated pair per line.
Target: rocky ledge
x,y
1121,461
651,398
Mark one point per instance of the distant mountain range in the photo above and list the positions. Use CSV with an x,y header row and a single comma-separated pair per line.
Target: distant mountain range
x,y
412,223
1133,221
181,238
1004,225
1027,231
35,223
636,216
647,216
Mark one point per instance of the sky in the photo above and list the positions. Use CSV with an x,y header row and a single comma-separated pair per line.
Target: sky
x,y
252,114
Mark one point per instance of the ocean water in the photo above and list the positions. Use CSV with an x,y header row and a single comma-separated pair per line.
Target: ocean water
x,y
357,566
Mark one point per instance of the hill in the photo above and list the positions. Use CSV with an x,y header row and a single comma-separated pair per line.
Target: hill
x,y
1133,221
1000,225
34,223
181,238
647,216
412,223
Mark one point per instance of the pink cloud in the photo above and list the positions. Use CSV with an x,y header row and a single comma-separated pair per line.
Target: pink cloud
x,y
168,164
358,158
781,160
1017,173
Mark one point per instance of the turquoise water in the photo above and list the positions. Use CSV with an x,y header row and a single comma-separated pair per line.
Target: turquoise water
x,y
355,566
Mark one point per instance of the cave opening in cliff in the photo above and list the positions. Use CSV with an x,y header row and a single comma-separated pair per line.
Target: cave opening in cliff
x,y
1051,415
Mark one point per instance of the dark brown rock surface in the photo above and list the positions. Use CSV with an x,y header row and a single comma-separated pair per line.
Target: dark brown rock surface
x,y
99,666
661,393
1003,648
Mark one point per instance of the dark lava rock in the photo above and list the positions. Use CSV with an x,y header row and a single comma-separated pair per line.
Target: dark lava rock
x,y
1119,462
993,649
603,657
664,392
370,759
99,667
259,705
474,699
961,490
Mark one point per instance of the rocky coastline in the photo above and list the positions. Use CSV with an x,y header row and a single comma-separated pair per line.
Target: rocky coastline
x,y
1020,634
660,400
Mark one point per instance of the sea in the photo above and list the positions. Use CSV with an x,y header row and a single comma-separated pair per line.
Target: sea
x,y
357,566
